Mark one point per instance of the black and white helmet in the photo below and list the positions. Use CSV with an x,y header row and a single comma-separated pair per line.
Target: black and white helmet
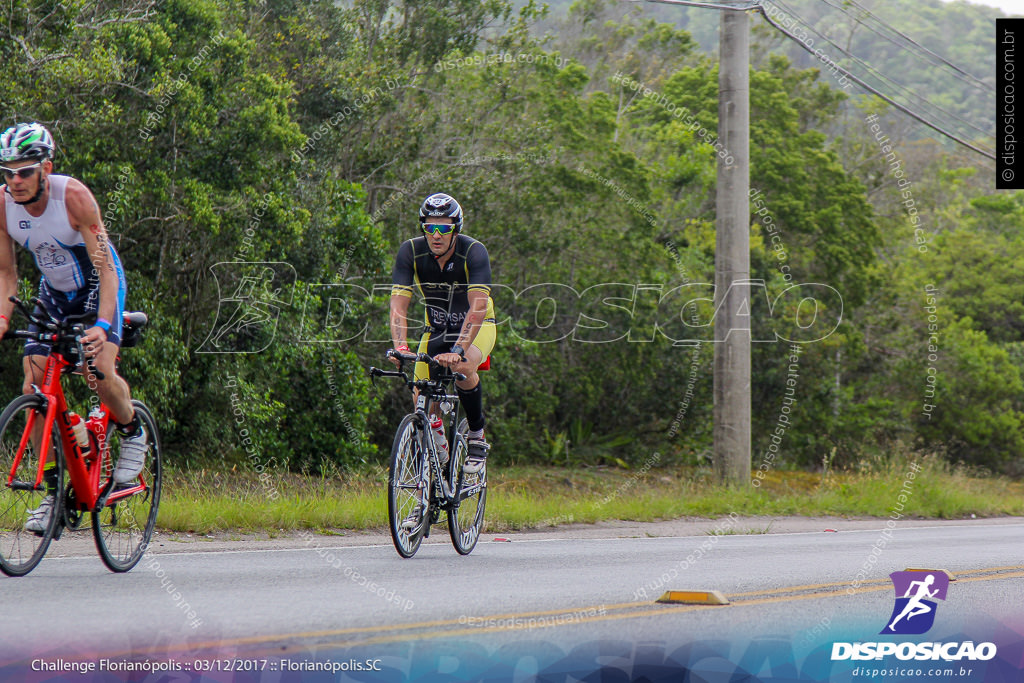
x,y
25,141
440,205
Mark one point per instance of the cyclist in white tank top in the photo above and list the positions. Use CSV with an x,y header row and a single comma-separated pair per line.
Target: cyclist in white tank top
x,y
59,250
57,219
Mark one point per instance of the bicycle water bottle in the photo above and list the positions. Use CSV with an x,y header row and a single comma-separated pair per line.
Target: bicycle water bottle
x,y
81,433
437,427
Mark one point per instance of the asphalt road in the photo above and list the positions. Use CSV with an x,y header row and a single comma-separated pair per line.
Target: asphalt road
x,y
440,613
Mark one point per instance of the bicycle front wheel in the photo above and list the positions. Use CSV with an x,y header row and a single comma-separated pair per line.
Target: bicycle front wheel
x,y
407,502
123,527
466,521
28,516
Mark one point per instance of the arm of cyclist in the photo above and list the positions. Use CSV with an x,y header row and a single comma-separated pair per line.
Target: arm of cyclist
x,y
8,274
399,326
402,279
85,218
470,327
478,291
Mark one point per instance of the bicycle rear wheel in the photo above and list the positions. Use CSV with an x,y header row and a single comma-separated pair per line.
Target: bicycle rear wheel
x,y
405,497
123,527
466,521
21,548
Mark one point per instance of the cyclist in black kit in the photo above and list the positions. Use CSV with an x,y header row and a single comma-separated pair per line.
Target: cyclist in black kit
x,y
453,275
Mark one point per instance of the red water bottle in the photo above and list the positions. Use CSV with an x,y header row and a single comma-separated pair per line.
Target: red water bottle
x,y
437,427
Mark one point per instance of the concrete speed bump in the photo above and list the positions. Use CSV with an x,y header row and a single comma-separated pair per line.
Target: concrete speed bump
x,y
949,574
693,598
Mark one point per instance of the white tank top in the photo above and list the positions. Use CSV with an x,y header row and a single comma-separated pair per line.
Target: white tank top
x,y
59,249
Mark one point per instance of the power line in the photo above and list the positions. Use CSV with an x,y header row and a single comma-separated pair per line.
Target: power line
x,y
964,76
858,81
758,5
928,56
969,80
740,6
978,83
879,74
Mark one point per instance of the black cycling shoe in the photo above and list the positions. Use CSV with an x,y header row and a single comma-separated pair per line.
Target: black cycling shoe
x,y
476,458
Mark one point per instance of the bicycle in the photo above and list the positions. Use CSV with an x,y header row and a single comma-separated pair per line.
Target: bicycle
x,y
418,483
123,516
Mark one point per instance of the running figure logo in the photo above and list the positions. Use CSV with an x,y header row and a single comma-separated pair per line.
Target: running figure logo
x,y
914,612
247,317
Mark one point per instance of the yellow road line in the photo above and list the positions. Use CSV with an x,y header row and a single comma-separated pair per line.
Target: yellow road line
x,y
989,577
808,587
607,617
253,640
887,585
393,631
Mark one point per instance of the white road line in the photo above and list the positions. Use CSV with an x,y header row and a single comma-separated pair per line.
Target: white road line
x,y
564,540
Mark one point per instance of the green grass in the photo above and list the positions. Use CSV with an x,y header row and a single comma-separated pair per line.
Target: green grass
x,y
205,501
540,497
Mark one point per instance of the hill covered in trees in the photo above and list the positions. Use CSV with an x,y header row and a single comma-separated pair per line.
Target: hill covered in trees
x,y
903,48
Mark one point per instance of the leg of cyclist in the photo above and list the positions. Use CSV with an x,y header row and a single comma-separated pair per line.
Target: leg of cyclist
x,y
431,344
471,396
39,518
112,389
116,395
422,371
34,365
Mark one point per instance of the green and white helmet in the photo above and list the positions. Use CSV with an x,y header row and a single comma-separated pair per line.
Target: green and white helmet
x,y
25,141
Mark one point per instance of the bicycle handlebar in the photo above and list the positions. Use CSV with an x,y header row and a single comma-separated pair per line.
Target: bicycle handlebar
x,y
55,331
407,358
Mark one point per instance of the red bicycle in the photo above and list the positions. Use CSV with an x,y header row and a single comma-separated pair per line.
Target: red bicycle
x,y
84,451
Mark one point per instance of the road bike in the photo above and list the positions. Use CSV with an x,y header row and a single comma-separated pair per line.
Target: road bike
x,y
420,486
40,423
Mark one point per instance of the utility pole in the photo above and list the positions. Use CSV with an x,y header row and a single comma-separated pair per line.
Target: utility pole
x,y
732,256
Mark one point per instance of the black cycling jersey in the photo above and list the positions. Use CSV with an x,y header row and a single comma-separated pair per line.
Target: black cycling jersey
x,y
445,293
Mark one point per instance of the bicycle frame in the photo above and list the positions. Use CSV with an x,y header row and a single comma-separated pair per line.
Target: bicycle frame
x,y
451,494
427,438
414,501
434,390
84,472
35,425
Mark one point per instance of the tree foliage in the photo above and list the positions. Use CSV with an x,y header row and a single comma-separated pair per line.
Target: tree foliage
x,y
260,162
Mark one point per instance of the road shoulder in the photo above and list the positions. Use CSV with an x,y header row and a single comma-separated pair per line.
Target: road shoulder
x,y
80,544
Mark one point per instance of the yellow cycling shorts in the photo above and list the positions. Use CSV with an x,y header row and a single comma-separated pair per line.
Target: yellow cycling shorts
x,y
435,343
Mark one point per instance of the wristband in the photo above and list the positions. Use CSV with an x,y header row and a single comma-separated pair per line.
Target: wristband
x,y
459,350
5,317
402,347
103,324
